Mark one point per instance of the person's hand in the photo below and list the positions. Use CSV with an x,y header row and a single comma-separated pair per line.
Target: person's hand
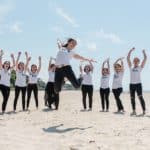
x,y
133,48
12,55
19,53
1,52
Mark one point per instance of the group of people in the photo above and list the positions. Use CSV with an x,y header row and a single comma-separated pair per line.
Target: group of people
x,y
60,70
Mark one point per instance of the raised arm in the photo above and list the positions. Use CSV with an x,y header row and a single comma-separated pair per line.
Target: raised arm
x,y
1,55
122,64
144,60
108,65
27,61
59,44
91,65
17,61
81,68
13,61
129,57
39,67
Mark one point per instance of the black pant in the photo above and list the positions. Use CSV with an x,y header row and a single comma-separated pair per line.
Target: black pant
x,y
87,89
17,93
133,89
32,88
67,72
117,93
104,94
52,97
5,90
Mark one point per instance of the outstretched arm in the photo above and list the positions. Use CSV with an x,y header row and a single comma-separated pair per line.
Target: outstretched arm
x,y
76,56
1,55
144,60
17,61
129,57
91,65
39,67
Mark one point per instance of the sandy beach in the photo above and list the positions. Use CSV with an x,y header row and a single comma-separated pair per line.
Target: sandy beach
x,y
70,129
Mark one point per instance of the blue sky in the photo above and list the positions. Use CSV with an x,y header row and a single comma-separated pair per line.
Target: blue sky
x,y
103,29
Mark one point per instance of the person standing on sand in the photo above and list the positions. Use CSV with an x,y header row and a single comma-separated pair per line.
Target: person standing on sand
x,y
52,97
63,67
32,83
5,75
117,83
21,79
135,80
87,85
104,88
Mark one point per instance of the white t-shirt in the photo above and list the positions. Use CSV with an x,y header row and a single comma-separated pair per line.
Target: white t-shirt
x,y
63,57
5,77
33,78
51,76
105,81
117,80
21,79
87,79
135,75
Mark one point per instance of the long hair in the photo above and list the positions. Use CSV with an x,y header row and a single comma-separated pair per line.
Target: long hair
x,y
68,41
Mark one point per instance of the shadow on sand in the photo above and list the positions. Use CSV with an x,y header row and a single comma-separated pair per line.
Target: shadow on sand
x,y
54,129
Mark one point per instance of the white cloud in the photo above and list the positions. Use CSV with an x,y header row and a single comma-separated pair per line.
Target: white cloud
x,y
16,27
66,16
5,9
92,46
109,36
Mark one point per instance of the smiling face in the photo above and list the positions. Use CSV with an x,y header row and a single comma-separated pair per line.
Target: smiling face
x,y
21,66
6,65
118,68
71,44
34,68
136,61
87,69
105,71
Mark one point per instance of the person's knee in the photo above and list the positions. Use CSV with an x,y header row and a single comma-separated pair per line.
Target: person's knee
x,y
140,97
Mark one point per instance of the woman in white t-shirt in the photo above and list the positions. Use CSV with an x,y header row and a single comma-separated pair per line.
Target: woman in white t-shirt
x,y
117,83
135,80
52,96
21,79
63,66
104,88
5,75
32,83
87,85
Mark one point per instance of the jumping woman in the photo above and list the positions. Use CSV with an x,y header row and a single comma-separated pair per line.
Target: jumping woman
x,y
21,79
117,83
63,67
52,97
135,80
87,85
32,83
104,88
5,75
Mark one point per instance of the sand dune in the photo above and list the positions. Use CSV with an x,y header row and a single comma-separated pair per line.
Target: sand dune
x,y
71,129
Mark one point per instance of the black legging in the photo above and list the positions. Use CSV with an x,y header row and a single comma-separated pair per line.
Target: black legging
x,y
30,88
67,72
17,93
133,89
5,90
52,97
104,94
87,89
117,93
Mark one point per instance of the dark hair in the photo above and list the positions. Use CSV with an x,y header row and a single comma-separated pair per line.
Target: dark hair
x,y
33,65
52,65
68,41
